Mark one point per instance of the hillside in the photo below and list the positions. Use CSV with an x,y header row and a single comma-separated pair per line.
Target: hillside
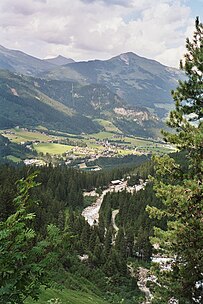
x,y
68,106
23,104
59,60
19,62
98,101
137,80
130,91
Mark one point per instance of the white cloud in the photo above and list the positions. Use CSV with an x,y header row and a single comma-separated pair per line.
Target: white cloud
x,y
88,29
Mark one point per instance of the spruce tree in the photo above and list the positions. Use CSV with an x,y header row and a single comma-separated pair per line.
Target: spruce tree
x,y
180,186
26,263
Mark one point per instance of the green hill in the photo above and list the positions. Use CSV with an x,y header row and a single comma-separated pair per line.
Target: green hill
x,y
23,104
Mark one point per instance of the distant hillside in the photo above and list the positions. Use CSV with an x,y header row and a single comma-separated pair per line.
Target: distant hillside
x,y
137,80
19,62
97,101
131,91
68,106
23,104
59,60
92,99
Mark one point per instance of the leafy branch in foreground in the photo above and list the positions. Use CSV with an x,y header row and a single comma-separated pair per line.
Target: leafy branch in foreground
x,y
25,262
180,186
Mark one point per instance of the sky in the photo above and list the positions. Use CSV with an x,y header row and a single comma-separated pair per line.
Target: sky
x,y
99,29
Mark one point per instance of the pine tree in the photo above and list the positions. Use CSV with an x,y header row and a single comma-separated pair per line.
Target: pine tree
x,y
25,262
180,186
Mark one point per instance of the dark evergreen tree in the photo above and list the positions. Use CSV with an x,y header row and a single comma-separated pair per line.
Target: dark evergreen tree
x,y
181,187
25,262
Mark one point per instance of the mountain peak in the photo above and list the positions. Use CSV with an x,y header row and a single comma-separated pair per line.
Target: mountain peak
x,y
126,57
59,60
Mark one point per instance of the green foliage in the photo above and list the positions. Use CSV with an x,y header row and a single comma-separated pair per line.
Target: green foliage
x,y
181,187
25,262
58,201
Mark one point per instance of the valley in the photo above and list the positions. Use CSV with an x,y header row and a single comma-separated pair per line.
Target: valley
x,y
109,143
100,201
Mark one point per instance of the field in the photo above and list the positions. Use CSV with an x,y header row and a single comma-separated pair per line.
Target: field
x,y
108,125
109,142
52,148
18,135
67,296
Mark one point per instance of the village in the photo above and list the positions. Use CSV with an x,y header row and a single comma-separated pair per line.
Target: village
x,y
79,150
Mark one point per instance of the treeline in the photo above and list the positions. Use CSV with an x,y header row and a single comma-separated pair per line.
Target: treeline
x,y
7,148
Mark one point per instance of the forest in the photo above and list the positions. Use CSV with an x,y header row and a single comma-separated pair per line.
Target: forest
x,y
56,199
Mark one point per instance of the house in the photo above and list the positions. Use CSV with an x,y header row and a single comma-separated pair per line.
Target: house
x,y
116,182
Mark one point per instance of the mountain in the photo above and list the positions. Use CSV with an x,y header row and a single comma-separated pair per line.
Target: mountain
x,y
97,101
19,62
137,80
23,104
66,106
59,60
130,91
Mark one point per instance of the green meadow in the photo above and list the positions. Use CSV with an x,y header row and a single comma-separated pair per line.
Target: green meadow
x,y
51,148
67,296
124,144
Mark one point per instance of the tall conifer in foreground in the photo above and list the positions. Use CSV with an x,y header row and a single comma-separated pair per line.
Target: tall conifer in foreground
x,y
180,186
26,263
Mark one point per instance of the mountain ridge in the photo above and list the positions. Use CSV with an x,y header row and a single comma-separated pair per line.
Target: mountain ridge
x,y
130,90
59,60
137,80
22,63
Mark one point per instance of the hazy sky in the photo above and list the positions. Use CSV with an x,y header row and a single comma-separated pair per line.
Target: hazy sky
x,y
89,29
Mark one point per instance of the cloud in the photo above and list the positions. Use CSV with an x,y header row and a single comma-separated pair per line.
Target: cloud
x,y
88,29
111,2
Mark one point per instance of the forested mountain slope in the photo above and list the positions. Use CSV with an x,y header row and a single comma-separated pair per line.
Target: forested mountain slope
x,y
23,104
139,81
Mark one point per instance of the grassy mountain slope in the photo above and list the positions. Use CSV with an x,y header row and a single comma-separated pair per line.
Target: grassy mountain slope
x,y
85,99
23,104
98,101
67,106
68,296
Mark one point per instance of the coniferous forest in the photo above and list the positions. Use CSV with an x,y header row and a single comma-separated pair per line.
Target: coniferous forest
x,y
50,202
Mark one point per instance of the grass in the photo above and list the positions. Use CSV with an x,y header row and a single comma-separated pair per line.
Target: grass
x,y
21,135
102,135
108,125
67,296
13,158
51,148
